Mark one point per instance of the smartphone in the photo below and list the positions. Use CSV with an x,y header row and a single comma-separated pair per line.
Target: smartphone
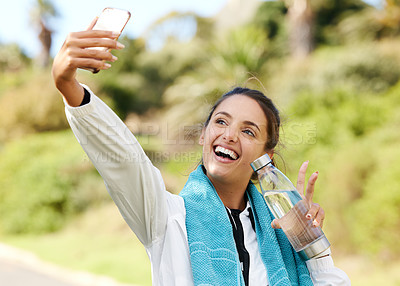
x,y
111,19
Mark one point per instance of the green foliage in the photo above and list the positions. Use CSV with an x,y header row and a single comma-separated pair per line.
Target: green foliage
x,y
329,14
270,17
204,28
12,58
340,110
352,69
363,26
231,60
44,182
376,214
128,58
389,18
356,152
243,48
33,105
139,81
125,92
342,114
43,10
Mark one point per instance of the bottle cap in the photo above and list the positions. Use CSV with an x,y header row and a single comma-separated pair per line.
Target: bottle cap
x,y
261,162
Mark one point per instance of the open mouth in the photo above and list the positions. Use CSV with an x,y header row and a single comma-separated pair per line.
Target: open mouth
x,y
225,153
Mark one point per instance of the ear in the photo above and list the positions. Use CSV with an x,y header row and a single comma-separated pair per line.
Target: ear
x,y
201,139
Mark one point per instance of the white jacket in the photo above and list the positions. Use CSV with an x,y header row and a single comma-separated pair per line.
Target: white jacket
x,y
156,216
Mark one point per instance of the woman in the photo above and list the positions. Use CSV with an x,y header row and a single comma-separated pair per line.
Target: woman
x,y
219,230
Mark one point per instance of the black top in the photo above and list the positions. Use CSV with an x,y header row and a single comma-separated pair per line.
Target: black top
x,y
86,98
238,235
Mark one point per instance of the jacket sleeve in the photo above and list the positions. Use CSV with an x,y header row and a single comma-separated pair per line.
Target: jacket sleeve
x,y
134,184
324,273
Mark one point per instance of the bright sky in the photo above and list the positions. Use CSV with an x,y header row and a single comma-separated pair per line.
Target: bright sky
x,y
76,15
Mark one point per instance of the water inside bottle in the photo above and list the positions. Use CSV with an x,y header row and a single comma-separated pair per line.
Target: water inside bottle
x,y
281,202
291,209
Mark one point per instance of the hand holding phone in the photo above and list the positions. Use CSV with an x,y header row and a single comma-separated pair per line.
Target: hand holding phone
x,y
111,19
79,52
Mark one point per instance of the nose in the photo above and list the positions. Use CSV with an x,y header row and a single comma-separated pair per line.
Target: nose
x,y
231,134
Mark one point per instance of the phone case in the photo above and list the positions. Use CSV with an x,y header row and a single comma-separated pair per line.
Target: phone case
x,y
111,19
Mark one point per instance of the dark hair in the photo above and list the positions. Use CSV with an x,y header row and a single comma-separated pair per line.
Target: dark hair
x,y
269,109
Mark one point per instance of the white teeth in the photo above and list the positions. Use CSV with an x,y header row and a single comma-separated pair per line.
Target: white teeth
x,y
228,152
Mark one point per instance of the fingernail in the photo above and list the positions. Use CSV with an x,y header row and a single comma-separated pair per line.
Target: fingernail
x,y
315,223
113,58
308,216
107,65
115,34
120,46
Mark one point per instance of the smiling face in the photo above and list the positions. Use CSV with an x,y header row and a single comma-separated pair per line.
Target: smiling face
x,y
234,137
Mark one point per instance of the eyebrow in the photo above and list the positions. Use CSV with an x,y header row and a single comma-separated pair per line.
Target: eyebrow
x,y
246,122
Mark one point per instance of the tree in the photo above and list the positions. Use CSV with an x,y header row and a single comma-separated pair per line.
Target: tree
x,y
301,38
177,26
390,18
329,14
12,58
41,13
228,60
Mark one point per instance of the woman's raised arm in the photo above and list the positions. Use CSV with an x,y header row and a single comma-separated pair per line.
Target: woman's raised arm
x,y
134,184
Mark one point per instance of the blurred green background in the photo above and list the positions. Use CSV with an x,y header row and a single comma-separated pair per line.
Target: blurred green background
x,y
333,69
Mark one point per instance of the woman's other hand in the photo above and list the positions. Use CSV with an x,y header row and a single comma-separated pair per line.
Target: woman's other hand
x,y
315,213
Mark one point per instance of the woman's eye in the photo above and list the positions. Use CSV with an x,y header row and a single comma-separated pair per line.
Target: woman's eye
x,y
249,132
220,121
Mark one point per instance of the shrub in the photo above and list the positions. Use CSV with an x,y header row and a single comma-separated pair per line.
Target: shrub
x,y
12,58
45,180
32,106
356,69
376,213
356,152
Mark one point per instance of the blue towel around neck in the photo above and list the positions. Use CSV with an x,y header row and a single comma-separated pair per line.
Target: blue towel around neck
x,y
212,247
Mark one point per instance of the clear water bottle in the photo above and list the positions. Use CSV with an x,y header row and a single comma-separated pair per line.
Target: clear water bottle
x,y
286,204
